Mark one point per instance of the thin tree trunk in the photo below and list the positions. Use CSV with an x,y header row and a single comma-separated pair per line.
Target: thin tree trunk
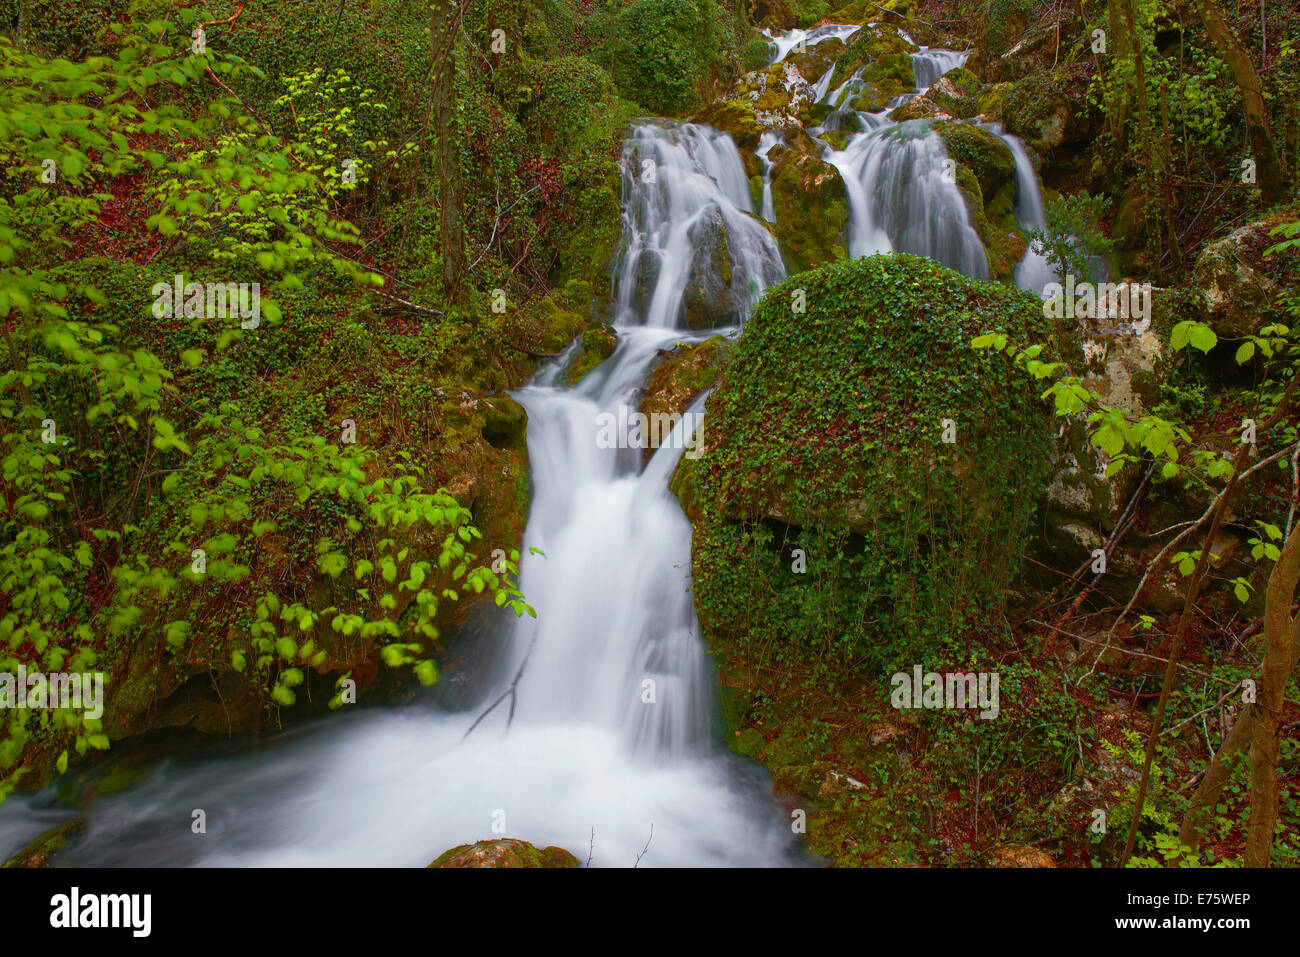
x,y
1279,629
1216,775
1185,619
450,195
1118,51
1268,166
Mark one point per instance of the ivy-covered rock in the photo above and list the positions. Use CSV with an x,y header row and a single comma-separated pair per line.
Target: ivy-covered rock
x,y
505,852
827,433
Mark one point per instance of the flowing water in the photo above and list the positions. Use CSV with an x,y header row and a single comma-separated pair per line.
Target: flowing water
x,y
575,754
580,758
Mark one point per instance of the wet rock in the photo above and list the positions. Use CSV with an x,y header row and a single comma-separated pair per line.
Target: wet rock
x,y
811,206
598,344
40,851
683,374
505,852
710,299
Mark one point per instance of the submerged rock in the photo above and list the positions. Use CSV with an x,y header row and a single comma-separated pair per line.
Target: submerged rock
x,y
505,852
598,344
39,852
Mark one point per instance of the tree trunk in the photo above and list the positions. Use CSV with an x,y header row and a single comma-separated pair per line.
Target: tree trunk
x,y
1268,167
1279,631
450,196
1210,789
1118,52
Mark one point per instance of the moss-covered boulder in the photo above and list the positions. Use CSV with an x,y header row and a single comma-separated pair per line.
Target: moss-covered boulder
x,y
505,852
41,850
866,432
882,53
1234,282
955,95
811,206
714,294
734,116
1047,109
598,344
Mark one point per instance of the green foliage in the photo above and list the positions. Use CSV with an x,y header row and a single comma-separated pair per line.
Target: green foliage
x,y
135,522
656,50
1072,236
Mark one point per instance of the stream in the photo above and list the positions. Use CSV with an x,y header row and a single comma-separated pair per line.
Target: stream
x,y
579,758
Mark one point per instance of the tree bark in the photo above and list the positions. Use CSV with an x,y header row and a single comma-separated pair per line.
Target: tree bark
x,y
1118,51
1279,631
1268,167
1236,742
450,195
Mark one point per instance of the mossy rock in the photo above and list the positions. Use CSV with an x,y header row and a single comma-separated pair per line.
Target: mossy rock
x,y
957,93
987,156
505,852
736,117
884,53
814,61
986,177
505,422
598,344
711,298
41,850
556,326
683,374
810,202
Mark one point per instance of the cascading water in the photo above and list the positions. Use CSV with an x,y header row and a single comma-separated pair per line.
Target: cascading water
x,y
900,196
786,42
672,232
1032,273
580,758
769,141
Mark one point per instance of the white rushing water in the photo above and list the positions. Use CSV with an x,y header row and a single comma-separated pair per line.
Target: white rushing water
x,y
585,762
785,42
902,197
1033,272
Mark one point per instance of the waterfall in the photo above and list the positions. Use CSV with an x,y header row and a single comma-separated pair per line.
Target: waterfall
x,y
610,732
786,42
900,199
1032,273
770,140
686,201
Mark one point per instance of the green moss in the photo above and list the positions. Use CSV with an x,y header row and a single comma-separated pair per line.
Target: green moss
x,y
682,375
506,852
810,202
736,117
882,51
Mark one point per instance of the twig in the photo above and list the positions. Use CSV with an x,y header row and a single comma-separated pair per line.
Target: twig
x,y
511,692
647,845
